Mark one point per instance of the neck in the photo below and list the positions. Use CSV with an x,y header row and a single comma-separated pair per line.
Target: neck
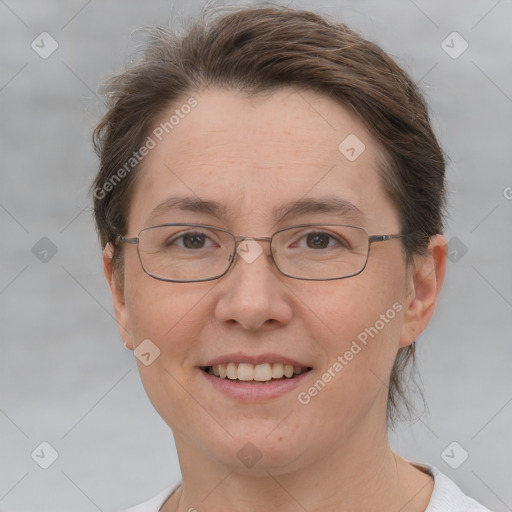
x,y
361,473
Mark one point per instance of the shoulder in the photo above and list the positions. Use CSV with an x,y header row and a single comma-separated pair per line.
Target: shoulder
x,y
447,496
154,504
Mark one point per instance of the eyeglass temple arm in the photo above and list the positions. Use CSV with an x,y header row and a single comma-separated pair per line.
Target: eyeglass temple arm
x,y
384,238
124,240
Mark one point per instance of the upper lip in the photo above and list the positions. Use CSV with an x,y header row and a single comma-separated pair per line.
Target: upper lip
x,y
239,357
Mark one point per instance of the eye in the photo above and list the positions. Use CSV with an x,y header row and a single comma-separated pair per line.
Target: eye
x,y
318,240
191,240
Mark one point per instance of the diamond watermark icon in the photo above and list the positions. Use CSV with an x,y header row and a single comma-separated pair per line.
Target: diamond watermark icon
x,y
454,45
249,250
44,250
147,352
249,455
44,45
457,249
454,455
44,455
351,147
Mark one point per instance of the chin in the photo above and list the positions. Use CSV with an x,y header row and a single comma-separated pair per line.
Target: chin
x,y
261,449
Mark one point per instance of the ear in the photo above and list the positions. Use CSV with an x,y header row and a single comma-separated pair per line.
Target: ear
x,y
423,288
117,290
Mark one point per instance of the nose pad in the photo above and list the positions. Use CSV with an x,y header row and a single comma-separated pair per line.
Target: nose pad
x,y
249,250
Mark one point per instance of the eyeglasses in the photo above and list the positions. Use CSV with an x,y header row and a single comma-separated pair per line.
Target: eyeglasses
x,y
184,253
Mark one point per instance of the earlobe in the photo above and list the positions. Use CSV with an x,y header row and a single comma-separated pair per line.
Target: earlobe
x,y
118,299
424,287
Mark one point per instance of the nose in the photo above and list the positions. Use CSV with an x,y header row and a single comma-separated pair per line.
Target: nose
x,y
252,294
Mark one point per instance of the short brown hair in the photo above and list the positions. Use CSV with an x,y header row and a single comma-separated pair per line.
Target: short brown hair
x,y
257,50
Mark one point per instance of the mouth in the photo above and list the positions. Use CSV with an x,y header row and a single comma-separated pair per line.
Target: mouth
x,y
247,373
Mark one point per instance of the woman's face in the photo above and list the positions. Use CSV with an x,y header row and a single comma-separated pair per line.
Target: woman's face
x,y
255,157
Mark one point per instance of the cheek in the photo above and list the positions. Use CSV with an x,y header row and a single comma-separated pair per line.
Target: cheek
x,y
172,317
166,313
362,307
154,307
354,381
360,333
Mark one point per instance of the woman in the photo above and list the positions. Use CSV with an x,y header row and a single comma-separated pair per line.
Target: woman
x,y
270,202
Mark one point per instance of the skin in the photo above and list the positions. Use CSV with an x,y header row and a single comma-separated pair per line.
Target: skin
x,y
251,155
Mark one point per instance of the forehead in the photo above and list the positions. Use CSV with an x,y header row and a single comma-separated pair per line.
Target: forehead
x,y
254,157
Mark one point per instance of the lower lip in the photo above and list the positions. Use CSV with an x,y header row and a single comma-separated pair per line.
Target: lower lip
x,y
255,392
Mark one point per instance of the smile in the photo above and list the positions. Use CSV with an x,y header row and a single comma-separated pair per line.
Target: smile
x,y
247,372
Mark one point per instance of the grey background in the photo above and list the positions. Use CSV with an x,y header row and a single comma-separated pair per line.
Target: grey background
x,y
65,377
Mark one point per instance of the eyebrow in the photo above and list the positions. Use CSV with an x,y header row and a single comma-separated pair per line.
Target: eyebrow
x,y
305,206
331,204
190,204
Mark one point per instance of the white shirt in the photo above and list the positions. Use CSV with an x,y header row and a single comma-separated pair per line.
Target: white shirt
x,y
446,497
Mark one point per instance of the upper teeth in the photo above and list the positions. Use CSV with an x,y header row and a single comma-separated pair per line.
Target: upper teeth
x,y
259,372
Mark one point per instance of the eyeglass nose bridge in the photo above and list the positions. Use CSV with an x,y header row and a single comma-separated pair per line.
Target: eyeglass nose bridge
x,y
240,239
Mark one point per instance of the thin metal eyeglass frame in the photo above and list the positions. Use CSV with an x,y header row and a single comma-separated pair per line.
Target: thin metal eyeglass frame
x,y
238,239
